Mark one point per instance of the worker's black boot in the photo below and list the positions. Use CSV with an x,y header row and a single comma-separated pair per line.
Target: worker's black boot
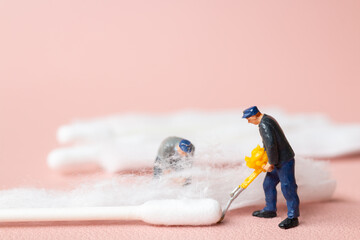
x,y
289,223
264,214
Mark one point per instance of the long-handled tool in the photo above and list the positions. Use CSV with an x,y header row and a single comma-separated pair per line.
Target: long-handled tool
x,y
257,160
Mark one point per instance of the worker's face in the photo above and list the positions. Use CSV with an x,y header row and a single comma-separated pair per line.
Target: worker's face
x,y
181,152
253,119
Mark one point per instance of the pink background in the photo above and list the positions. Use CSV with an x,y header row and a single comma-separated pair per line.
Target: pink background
x,y
61,60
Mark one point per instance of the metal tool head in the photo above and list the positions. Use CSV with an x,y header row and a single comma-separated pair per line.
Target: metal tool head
x,y
235,195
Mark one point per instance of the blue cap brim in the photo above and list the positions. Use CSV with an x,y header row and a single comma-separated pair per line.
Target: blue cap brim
x,y
246,115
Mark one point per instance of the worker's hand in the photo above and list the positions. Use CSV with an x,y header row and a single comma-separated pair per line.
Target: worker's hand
x,y
179,180
268,167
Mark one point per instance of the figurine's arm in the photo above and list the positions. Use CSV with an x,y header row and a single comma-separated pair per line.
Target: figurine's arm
x,y
270,145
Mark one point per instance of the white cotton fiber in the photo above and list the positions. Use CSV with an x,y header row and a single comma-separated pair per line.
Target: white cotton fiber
x,y
130,141
313,179
222,140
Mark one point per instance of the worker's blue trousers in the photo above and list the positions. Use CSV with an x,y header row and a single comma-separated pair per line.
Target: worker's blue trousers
x,y
285,174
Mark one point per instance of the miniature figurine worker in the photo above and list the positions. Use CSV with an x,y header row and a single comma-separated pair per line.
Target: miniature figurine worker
x,y
280,168
174,154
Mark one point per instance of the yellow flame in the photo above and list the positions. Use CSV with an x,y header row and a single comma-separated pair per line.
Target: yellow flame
x,y
257,160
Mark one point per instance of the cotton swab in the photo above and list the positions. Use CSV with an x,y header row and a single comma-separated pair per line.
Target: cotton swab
x,y
113,142
160,212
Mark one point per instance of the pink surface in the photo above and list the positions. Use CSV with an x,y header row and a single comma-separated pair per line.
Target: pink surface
x,y
61,60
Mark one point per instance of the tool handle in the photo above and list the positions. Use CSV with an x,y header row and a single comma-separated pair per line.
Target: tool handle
x,y
251,178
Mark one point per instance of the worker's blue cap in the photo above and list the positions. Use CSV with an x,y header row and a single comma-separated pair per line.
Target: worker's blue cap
x,y
186,146
251,111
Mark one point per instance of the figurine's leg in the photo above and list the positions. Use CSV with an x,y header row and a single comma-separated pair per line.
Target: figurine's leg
x,y
289,188
269,185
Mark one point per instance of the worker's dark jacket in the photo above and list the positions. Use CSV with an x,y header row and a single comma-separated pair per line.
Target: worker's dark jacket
x,y
275,143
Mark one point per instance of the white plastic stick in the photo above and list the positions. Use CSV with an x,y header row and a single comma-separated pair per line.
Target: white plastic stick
x,y
160,212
